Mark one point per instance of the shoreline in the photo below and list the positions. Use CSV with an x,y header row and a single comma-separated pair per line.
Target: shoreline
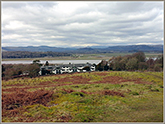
x,y
105,56
24,59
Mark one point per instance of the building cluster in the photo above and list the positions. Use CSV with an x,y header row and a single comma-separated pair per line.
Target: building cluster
x,y
66,68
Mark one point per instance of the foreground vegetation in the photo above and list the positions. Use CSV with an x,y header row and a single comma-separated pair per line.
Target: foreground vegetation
x,y
110,96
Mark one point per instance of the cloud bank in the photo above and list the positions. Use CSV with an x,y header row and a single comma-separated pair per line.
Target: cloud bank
x,y
71,24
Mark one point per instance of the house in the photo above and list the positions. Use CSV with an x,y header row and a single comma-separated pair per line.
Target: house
x,y
44,70
66,68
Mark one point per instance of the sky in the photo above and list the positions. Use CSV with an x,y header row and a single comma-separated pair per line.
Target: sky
x,y
81,23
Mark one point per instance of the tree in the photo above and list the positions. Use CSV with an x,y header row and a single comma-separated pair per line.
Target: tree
x,y
159,60
47,63
15,70
36,61
116,66
150,64
132,64
123,63
142,66
101,65
26,54
118,63
33,70
158,67
140,56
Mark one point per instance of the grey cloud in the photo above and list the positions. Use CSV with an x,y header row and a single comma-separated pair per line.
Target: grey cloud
x,y
17,4
43,23
10,4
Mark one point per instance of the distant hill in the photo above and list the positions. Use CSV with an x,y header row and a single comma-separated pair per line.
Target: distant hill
x,y
102,49
136,48
27,54
37,49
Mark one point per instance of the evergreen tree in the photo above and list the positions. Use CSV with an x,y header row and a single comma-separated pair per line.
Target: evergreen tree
x,y
47,63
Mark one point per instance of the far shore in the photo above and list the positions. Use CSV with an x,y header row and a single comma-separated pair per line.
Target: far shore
x,y
53,58
105,56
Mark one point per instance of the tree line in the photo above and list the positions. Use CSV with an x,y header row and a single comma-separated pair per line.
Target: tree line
x,y
27,54
136,61
10,71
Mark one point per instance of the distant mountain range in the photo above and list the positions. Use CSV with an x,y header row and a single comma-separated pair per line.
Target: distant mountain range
x,y
101,49
37,49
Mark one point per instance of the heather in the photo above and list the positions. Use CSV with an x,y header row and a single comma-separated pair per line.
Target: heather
x,y
108,96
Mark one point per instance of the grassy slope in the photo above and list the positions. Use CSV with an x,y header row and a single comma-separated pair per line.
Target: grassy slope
x,y
81,97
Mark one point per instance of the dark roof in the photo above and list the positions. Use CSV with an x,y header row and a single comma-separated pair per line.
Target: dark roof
x,y
69,65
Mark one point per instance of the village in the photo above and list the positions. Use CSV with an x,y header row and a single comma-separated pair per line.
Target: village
x,y
66,68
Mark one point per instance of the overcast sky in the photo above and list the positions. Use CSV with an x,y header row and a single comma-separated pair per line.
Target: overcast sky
x,y
70,24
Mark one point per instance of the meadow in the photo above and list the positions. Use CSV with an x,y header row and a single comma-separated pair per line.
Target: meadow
x,y
109,96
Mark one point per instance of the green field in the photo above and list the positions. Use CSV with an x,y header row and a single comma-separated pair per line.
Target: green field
x,y
105,56
110,96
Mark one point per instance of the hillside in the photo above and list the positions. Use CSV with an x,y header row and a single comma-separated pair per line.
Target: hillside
x,y
37,49
27,54
85,97
105,49
136,48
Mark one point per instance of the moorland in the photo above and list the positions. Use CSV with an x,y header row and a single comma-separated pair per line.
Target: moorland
x,y
109,96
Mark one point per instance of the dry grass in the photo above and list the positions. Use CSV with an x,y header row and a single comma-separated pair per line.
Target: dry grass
x,y
85,97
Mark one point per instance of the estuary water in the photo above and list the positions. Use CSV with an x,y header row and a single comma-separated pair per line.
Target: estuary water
x,y
53,61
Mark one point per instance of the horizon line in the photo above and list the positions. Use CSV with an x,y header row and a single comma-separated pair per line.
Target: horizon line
x,y
86,46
